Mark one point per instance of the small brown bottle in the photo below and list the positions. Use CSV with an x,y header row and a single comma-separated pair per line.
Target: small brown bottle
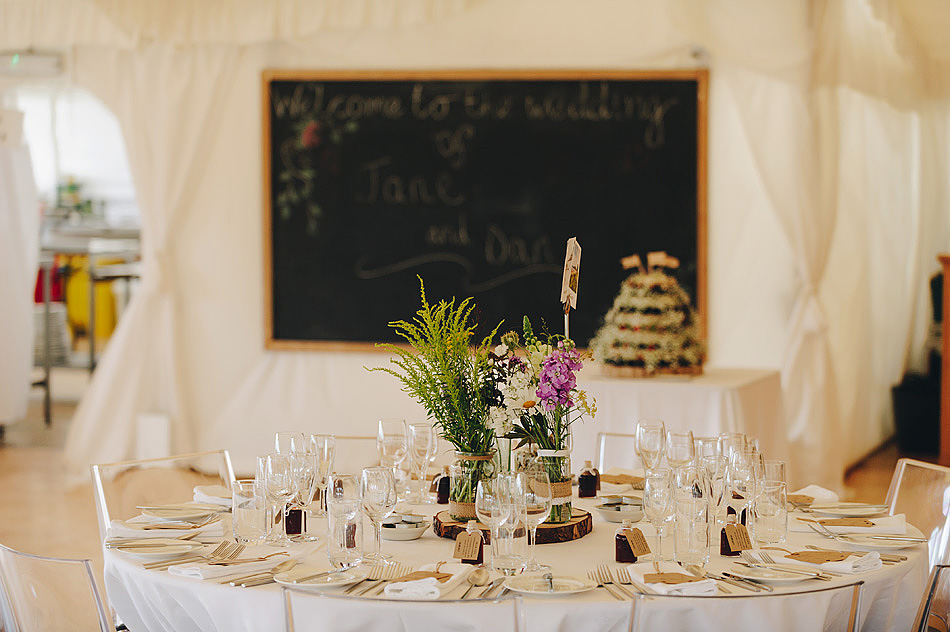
x,y
295,521
623,552
587,482
442,486
472,527
724,548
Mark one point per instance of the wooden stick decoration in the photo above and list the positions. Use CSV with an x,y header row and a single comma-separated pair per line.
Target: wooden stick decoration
x,y
572,270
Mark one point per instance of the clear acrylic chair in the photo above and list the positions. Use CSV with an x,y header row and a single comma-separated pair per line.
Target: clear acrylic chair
x,y
921,491
617,450
121,487
325,612
48,593
934,612
834,609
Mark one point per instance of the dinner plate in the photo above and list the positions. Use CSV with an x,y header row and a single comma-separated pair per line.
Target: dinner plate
x,y
774,574
403,533
184,513
343,578
158,548
563,585
847,510
214,491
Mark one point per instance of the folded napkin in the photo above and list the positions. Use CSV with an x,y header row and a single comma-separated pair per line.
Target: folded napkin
x,y
891,525
820,494
429,588
213,495
853,564
204,570
702,587
135,528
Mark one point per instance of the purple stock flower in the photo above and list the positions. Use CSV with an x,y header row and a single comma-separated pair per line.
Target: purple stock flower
x,y
556,380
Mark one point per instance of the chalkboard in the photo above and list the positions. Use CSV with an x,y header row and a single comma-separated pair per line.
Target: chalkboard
x,y
473,181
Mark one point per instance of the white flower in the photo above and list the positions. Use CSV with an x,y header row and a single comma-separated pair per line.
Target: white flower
x,y
500,421
501,350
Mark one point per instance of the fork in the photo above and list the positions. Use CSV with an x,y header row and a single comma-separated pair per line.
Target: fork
x,y
391,573
608,578
245,560
624,578
375,574
768,559
222,552
749,560
886,558
600,584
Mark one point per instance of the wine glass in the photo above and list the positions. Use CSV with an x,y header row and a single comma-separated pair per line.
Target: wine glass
x,y
392,443
286,442
658,502
651,442
538,497
378,494
680,448
729,442
423,442
740,481
276,472
324,450
490,506
304,464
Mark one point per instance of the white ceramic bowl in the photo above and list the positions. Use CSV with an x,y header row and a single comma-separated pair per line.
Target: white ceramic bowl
x,y
619,513
403,533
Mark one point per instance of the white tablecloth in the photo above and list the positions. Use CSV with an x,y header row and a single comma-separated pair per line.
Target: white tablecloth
x,y
719,400
159,601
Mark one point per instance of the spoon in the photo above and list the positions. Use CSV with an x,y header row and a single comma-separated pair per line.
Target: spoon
x,y
478,577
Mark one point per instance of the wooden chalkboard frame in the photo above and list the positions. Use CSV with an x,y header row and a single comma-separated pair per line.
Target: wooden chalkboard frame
x,y
699,75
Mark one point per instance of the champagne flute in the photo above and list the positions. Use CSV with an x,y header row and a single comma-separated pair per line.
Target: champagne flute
x,y
651,442
378,494
392,443
324,450
423,442
680,448
538,497
658,502
304,464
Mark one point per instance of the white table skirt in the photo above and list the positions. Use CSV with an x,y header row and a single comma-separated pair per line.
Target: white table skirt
x,y
158,601
719,400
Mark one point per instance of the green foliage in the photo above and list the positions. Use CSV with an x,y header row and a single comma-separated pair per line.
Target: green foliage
x,y
444,373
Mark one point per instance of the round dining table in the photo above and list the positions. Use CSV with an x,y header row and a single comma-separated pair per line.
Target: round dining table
x,y
157,600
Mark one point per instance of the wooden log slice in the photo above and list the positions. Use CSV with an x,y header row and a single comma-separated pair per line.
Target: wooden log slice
x,y
580,524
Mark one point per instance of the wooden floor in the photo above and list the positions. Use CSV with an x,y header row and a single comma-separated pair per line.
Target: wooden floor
x,y
40,514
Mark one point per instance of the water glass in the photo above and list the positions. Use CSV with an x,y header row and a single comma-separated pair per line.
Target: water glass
x,y
771,512
651,442
248,512
344,521
691,531
775,470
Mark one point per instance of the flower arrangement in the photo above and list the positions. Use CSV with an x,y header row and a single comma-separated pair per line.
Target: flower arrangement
x,y
536,400
451,376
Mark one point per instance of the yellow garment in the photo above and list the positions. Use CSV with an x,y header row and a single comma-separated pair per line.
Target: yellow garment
x,y
77,298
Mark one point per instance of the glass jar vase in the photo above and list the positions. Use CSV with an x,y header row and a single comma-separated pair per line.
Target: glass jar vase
x,y
557,463
468,469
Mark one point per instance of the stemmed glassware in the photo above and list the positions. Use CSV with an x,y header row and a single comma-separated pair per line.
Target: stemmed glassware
x,y
303,464
658,502
741,480
423,443
344,521
490,506
392,443
378,494
276,471
538,497
680,448
286,442
324,451
651,442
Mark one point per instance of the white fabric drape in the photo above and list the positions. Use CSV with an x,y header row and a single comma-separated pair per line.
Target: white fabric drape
x,y
828,196
167,139
19,211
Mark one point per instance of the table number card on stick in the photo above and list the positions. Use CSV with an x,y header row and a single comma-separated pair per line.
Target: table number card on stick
x,y
572,270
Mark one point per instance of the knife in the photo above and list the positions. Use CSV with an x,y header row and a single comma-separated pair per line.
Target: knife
x,y
492,586
880,536
748,582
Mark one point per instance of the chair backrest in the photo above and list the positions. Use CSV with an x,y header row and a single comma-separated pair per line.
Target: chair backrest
x,y
353,453
934,611
120,487
921,491
48,593
325,612
834,609
616,449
